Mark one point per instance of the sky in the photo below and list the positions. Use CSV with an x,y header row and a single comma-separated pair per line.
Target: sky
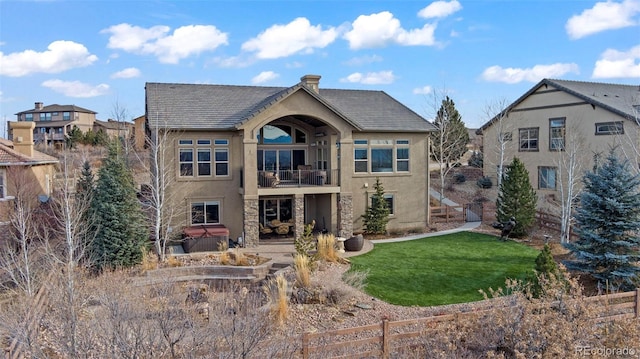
x,y
481,53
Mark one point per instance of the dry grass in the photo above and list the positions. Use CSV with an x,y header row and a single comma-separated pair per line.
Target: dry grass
x,y
225,258
149,261
327,248
240,259
278,299
173,261
301,264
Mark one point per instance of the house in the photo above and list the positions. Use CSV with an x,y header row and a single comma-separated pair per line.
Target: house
x,y
270,159
113,128
557,118
23,170
139,133
54,122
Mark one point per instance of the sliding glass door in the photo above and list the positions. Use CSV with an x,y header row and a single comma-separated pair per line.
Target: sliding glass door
x,y
280,159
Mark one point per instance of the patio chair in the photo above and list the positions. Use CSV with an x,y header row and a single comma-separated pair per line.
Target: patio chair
x,y
302,174
265,230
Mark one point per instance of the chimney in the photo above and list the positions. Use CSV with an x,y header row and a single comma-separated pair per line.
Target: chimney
x,y
23,137
39,106
312,81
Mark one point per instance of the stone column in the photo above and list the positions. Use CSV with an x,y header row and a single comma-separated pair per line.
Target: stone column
x,y
251,224
298,215
345,208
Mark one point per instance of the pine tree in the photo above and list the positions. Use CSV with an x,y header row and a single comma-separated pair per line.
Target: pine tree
x,y
377,215
120,231
608,222
449,143
516,198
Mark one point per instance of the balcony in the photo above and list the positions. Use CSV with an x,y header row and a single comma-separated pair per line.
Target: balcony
x,y
42,137
298,178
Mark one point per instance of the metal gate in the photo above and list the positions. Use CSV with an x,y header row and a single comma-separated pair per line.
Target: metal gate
x,y
473,212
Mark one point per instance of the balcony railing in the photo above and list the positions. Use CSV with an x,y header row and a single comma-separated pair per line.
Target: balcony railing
x,y
298,178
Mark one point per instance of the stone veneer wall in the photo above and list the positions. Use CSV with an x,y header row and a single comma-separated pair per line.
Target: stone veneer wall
x,y
345,206
251,224
298,215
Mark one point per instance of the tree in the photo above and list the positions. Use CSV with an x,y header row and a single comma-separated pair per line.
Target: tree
x,y
449,142
497,112
608,222
516,198
120,230
377,215
75,136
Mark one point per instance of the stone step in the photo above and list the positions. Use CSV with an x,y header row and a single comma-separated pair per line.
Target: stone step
x,y
209,279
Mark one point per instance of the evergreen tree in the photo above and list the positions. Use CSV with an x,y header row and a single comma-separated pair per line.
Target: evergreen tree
x,y
608,225
377,215
120,231
86,182
74,137
516,198
449,143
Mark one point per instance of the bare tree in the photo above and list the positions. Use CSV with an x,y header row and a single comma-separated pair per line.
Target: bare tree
x,y
496,111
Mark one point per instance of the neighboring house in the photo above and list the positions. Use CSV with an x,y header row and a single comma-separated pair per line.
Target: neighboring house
x,y
556,118
54,122
23,169
244,156
139,133
113,128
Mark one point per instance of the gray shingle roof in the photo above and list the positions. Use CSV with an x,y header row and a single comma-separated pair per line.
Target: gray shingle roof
x,y
190,106
58,108
619,99
10,157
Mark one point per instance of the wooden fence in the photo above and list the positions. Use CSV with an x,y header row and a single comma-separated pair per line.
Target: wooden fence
x,y
446,214
379,340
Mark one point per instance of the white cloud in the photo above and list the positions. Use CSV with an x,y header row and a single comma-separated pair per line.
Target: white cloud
x,y
439,9
603,16
425,90
512,75
234,61
298,36
168,48
127,73
378,30
363,60
371,78
59,56
618,64
76,88
264,76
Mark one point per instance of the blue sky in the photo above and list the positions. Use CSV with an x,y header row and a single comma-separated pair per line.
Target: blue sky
x,y
99,54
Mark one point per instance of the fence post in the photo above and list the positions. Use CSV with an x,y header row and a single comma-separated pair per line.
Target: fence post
x,y
637,303
305,346
385,338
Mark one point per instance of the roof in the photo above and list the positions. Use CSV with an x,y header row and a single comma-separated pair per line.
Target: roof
x,y
113,125
57,108
10,157
224,107
619,99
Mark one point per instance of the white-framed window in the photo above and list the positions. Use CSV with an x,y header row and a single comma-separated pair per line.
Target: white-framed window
x,y
528,139
203,157
547,177
45,116
610,128
66,116
205,212
381,156
557,133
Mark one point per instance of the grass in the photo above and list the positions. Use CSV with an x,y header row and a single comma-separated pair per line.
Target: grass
x,y
444,269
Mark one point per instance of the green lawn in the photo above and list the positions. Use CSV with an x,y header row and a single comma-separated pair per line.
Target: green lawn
x,y
444,269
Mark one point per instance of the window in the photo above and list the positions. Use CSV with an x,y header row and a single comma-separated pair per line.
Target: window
x,y
546,177
389,199
45,116
528,139
609,128
66,116
3,189
28,117
556,134
381,156
204,164
205,212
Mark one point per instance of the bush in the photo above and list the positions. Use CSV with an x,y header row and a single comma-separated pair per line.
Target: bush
x,y
484,182
459,178
476,160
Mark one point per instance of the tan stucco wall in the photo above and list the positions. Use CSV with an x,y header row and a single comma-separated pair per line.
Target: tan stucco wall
x,y
535,111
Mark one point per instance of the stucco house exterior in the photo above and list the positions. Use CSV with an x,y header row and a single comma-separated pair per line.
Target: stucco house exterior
x,y
21,165
114,128
54,122
244,156
557,118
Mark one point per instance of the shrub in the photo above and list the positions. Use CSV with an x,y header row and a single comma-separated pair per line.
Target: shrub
x,y
301,264
356,278
484,182
306,243
327,248
459,178
278,301
476,160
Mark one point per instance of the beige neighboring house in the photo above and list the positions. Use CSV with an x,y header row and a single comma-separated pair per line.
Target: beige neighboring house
x,y
555,117
270,159
113,128
54,122
139,132
22,166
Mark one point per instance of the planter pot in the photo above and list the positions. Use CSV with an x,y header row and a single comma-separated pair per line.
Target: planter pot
x,y
354,243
